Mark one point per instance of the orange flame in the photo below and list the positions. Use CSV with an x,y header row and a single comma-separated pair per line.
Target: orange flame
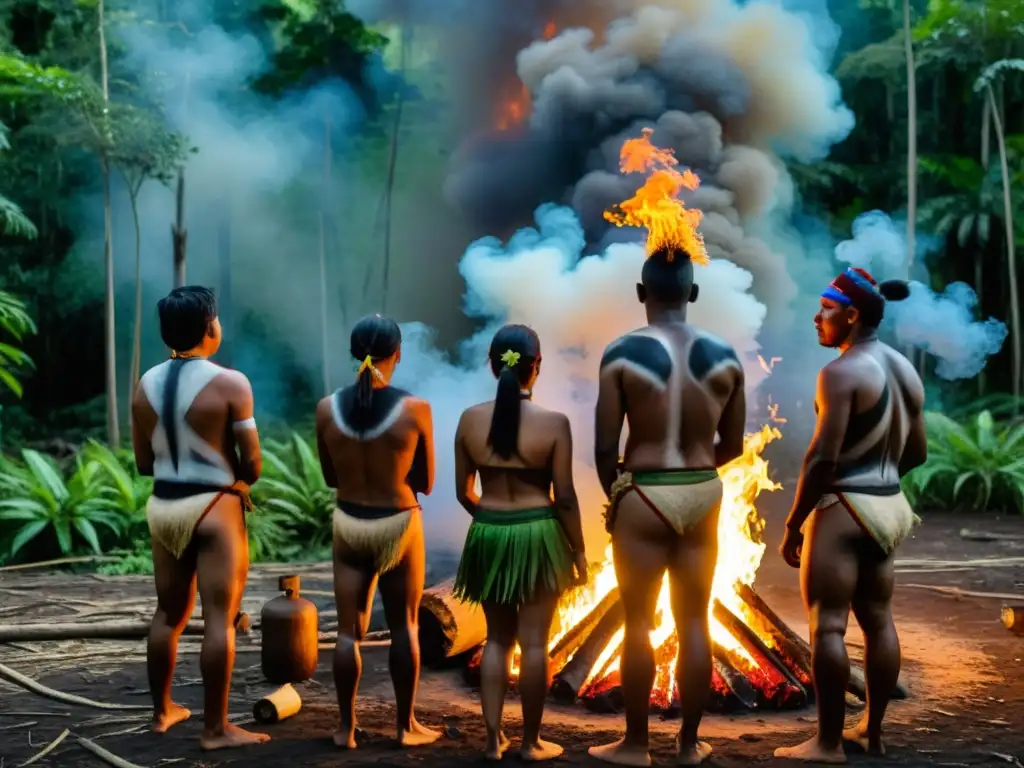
x,y
656,205
513,110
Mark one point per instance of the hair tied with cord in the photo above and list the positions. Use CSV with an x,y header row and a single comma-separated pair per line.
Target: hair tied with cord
x,y
368,364
510,358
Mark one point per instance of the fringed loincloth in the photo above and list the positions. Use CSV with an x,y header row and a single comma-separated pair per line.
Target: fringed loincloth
x,y
887,519
680,497
514,556
175,510
376,532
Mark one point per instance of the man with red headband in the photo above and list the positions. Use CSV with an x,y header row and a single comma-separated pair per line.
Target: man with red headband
x,y
850,509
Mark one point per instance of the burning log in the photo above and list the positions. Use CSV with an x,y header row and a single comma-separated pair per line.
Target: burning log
x,y
448,627
781,690
737,693
577,635
1013,618
567,683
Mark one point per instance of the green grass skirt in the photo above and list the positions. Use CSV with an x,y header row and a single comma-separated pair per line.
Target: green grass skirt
x,y
514,556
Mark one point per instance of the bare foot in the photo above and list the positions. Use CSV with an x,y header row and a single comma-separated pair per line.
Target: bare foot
x,y
174,715
812,752
418,735
859,735
494,751
695,754
622,753
542,750
231,736
345,738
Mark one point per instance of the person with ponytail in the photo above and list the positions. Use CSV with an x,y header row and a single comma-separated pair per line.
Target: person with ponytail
x,y
524,547
376,445
849,514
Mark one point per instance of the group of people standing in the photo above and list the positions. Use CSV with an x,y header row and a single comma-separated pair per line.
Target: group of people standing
x,y
682,392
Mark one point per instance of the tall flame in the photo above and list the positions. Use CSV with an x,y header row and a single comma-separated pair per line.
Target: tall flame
x,y
656,205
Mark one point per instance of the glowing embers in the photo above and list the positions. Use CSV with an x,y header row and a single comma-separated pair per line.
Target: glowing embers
x,y
656,205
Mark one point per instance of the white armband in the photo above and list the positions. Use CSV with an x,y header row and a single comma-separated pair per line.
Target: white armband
x,y
249,423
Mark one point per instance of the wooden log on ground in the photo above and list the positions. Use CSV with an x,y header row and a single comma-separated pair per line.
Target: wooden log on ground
x,y
790,647
779,691
1012,617
108,630
567,683
739,694
448,627
577,635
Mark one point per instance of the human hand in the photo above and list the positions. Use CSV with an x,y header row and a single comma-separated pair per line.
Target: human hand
x,y
582,575
792,547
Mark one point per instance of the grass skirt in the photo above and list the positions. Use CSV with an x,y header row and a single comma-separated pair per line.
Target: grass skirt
x,y
514,556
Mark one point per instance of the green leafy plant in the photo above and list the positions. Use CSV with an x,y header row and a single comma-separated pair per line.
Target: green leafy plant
x,y
978,465
293,486
37,499
16,322
128,487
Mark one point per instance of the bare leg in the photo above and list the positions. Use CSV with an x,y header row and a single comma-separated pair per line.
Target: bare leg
x,y
175,598
534,631
494,670
354,582
691,574
641,557
828,579
223,567
401,589
872,607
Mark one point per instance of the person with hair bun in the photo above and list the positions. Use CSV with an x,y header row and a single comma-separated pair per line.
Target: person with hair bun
x,y
376,445
524,547
849,514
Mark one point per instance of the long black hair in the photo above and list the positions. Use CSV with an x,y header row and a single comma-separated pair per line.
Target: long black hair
x,y
514,355
374,338
185,316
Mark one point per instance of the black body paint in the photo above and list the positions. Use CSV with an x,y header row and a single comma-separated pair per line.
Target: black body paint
x,y
707,354
642,351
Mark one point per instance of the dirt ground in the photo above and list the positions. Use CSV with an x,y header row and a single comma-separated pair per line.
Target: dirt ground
x,y
963,670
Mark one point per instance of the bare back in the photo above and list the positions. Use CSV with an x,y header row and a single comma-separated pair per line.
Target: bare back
x,y
525,480
678,387
383,459
885,396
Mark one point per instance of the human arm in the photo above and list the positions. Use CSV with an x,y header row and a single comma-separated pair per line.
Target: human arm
x,y
732,422
609,416
421,474
243,424
834,400
567,504
323,418
465,472
915,452
143,423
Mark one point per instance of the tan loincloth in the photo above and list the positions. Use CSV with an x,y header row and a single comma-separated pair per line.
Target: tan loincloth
x,y
382,539
888,520
681,506
172,522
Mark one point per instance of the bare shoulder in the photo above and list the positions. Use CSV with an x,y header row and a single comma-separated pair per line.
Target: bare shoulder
x,y
838,375
235,380
907,375
325,408
474,414
554,420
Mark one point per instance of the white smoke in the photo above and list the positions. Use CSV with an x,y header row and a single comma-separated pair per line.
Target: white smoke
x,y
577,307
943,325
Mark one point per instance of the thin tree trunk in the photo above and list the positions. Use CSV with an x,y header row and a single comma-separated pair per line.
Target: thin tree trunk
x,y
908,48
225,299
392,160
179,235
1011,257
110,341
324,204
136,371
979,270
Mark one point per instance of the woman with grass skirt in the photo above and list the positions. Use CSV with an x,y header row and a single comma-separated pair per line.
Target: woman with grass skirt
x,y
524,547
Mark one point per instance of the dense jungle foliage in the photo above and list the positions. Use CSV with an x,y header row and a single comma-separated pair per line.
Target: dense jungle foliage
x,y
80,128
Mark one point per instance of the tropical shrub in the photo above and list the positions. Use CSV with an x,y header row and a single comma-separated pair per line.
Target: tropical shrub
x,y
975,466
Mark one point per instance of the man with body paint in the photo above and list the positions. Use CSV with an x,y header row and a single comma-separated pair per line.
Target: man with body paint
x,y
193,431
376,445
849,514
678,387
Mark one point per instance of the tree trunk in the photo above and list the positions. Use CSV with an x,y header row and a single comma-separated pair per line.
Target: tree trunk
x,y
392,160
324,207
136,371
225,299
1011,257
908,48
110,340
179,235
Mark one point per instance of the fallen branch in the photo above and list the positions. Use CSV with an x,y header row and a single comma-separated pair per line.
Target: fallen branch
x,y
108,757
99,630
16,726
957,592
969,535
28,683
48,748
61,561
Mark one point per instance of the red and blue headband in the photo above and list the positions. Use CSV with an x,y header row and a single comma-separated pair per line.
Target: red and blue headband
x,y
854,287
